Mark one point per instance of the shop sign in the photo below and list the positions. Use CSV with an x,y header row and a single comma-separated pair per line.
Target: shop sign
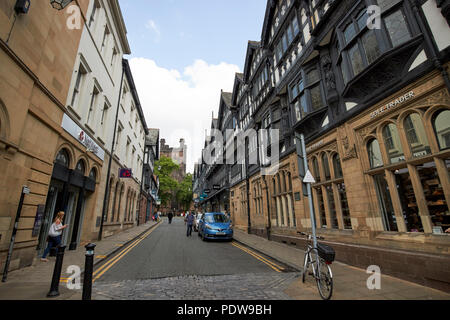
x,y
392,104
216,187
315,146
78,133
125,173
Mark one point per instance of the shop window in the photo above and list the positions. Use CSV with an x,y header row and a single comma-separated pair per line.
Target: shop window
x,y
385,202
63,158
408,201
441,122
316,171
392,143
416,135
321,208
375,159
326,167
81,167
93,175
332,206
434,197
344,206
337,167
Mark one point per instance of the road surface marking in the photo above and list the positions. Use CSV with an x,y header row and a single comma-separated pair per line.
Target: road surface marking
x,y
98,273
267,260
258,257
137,240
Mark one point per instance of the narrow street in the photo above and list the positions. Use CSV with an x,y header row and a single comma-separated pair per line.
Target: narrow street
x,y
168,265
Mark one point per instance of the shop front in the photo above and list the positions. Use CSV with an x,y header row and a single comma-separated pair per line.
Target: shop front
x,y
68,191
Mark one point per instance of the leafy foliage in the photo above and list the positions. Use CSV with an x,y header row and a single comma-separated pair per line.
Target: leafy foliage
x,y
184,192
167,185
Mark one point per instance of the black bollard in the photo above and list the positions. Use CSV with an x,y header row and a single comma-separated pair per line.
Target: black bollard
x,y
54,289
88,270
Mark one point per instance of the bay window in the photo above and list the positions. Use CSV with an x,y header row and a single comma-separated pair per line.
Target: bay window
x,y
360,46
306,96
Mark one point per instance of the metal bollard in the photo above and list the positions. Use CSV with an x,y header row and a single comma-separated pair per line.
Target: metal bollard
x,y
54,288
88,270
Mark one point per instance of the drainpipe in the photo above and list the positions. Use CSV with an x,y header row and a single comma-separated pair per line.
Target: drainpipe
x,y
105,198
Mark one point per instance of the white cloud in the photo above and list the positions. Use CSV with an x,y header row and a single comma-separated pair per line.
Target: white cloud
x,y
151,25
181,105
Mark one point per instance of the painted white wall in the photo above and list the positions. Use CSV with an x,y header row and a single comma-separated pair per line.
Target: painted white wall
x,y
105,74
437,23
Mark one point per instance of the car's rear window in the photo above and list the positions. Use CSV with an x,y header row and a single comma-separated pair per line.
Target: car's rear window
x,y
220,218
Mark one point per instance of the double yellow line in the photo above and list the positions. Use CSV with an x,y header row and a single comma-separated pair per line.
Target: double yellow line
x,y
104,268
271,264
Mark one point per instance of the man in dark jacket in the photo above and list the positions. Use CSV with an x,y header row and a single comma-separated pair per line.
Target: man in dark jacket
x,y
170,216
189,220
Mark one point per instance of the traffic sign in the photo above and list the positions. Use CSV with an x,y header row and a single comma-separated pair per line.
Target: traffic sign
x,y
309,178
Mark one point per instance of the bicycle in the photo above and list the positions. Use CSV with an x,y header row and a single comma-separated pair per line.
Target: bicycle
x,y
321,271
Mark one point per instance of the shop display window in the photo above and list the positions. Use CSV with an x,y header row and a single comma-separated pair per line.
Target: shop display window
x,y
326,167
321,208
434,196
337,167
316,169
416,135
441,124
344,206
392,143
385,201
332,206
374,151
408,201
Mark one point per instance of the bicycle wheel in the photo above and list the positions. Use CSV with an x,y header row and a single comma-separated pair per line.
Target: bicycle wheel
x,y
305,266
324,280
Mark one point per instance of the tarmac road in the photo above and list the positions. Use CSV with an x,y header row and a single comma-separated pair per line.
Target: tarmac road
x,y
168,265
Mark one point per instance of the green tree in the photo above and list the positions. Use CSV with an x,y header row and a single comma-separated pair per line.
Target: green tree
x,y
167,185
184,192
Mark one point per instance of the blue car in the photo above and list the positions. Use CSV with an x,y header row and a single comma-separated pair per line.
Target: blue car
x,y
215,225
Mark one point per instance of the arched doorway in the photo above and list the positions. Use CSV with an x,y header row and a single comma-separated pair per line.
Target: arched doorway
x,y
67,192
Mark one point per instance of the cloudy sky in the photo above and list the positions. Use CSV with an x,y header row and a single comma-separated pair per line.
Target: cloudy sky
x,y
183,53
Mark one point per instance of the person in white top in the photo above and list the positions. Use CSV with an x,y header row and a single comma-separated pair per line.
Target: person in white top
x,y
54,235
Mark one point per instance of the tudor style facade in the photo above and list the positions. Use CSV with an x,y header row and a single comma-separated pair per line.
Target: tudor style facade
x,y
373,105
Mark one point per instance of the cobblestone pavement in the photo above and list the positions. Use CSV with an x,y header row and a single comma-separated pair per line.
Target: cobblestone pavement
x,y
261,286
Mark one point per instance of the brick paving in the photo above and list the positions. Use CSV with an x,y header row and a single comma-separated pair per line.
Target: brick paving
x,y
261,286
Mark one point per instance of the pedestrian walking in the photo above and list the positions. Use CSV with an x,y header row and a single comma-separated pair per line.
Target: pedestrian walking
x,y
189,221
54,235
170,216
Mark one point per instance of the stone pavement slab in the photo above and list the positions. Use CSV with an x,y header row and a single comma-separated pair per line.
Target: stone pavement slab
x,y
33,283
349,282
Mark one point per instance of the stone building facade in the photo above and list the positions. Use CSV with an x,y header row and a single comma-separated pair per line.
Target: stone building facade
x,y
58,99
373,106
34,83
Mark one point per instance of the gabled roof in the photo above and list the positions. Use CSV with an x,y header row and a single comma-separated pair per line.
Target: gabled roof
x,y
238,79
268,18
153,137
225,102
251,48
